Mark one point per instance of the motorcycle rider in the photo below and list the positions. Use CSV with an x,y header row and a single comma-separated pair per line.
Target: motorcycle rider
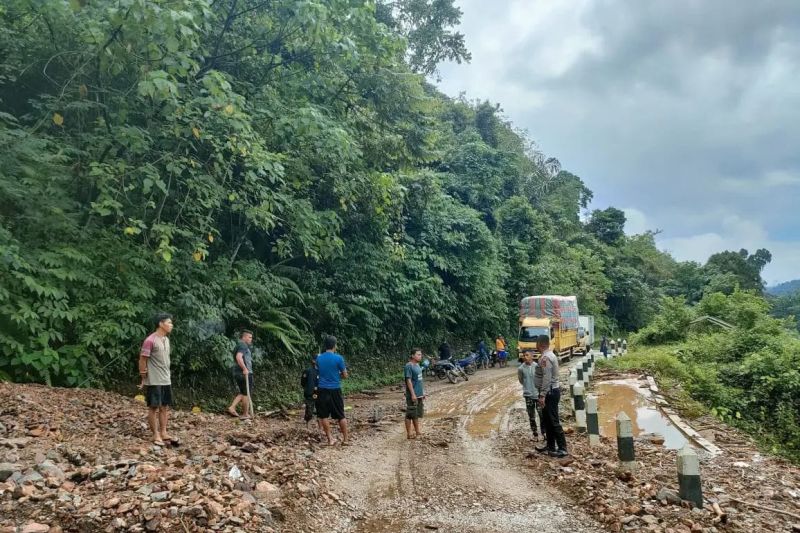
x,y
445,353
501,346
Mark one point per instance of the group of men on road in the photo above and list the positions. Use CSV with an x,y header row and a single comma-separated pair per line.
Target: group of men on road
x,y
322,383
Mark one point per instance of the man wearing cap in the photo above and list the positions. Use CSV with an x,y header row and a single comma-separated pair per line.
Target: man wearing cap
x,y
549,398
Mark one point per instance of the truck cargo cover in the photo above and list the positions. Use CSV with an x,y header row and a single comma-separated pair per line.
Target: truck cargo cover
x,y
562,308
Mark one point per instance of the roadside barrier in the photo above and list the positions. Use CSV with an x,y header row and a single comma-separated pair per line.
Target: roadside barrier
x,y
625,441
573,379
580,409
592,420
689,487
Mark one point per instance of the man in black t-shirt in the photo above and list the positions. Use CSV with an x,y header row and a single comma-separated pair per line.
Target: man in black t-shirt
x,y
243,374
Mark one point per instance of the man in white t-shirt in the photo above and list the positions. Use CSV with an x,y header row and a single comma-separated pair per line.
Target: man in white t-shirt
x,y
154,369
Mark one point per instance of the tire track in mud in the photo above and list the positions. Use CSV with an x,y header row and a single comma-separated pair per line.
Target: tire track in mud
x,y
458,478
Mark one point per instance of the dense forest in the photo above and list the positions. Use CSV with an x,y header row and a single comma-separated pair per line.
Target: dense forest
x,y
286,166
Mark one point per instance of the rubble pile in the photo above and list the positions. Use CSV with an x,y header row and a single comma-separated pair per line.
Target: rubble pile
x,y
81,460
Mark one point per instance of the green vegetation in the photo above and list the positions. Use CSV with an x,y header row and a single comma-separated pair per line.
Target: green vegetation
x,y
283,166
748,376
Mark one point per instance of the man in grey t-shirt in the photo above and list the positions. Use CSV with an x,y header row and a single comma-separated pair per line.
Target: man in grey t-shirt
x,y
154,369
243,374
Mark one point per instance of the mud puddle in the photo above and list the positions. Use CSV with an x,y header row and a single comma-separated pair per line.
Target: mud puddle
x,y
627,395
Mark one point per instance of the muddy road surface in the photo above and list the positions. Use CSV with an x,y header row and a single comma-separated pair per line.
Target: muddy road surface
x,y
458,477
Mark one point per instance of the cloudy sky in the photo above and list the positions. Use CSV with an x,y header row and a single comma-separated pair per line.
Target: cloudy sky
x,y
686,114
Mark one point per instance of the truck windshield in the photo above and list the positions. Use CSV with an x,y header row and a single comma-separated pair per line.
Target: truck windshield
x,y
530,334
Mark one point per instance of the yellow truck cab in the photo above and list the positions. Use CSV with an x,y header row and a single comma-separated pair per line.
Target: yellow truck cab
x,y
560,326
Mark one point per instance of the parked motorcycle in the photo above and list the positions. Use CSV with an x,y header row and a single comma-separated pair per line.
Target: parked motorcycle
x,y
446,369
469,364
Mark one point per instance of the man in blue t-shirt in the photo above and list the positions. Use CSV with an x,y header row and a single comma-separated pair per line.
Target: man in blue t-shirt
x,y
330,402
412,375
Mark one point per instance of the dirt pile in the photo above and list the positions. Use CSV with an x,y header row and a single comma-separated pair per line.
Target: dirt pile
x,y
79,460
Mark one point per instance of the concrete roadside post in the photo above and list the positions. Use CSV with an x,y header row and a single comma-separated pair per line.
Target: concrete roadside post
x,y
590,360
592,421
625,441
579,373
580,409
585,367
689,486
573,379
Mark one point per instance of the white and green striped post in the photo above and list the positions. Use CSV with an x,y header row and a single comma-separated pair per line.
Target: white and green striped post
x,y
625,441
689,476
592,421
573,379
580,409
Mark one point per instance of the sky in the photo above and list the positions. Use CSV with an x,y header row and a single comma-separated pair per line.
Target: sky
x,y
683,113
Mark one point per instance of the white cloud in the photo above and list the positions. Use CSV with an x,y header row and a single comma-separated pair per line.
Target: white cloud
x,y
739,233
685,112
635,221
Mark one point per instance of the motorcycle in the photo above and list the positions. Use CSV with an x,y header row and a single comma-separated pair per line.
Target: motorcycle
x,y
502,361
446,369
469,364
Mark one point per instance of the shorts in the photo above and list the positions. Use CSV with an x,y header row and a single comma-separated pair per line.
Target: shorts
x,y
240,383
158,395
414,410
502,354
330,404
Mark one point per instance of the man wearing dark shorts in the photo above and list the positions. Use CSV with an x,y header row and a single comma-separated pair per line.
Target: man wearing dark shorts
x,y
243,374
415,410
330,401
154,369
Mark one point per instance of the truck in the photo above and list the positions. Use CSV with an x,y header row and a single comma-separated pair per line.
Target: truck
x,y
585,332
551,315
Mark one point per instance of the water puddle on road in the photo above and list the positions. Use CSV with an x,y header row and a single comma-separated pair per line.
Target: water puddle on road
x,y
627,395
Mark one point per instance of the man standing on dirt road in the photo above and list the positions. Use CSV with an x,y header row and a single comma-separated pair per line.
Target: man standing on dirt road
x,y
154,369
549,398
415,410
330,401
243,374
526,374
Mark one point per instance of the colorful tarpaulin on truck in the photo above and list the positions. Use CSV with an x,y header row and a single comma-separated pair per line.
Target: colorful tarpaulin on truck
x,y
561,308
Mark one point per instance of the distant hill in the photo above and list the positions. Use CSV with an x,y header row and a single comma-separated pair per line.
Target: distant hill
x,y
787,287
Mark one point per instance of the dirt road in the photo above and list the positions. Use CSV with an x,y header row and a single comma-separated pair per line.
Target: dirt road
x,y
458,477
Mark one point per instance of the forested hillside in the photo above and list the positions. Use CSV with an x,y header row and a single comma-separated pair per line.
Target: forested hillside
x,y
282,165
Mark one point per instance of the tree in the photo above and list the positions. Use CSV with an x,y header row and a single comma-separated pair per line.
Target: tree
x,y
728,269
608,225
427,27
